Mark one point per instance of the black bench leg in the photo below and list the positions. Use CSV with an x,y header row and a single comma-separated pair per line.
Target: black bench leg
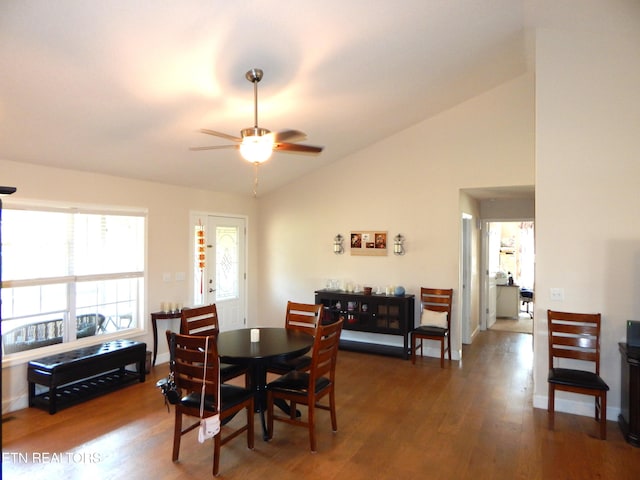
x,y
53,397
142,368
32,393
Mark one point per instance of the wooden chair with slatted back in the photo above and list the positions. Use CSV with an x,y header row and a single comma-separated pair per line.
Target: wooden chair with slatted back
x,y
576,336
303,317
203,321
308,388
435,321
189,372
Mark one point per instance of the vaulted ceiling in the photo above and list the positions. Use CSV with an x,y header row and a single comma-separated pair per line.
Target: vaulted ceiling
x,y
121,87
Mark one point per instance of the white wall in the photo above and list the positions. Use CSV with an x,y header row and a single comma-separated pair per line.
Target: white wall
x,y
408,183
587,191
168,237
513,209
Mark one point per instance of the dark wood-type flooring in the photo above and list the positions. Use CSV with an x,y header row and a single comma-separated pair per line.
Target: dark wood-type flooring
x,y
473,420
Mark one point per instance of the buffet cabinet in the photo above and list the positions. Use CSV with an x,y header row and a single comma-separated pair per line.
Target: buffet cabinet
x,y
382,314
629,418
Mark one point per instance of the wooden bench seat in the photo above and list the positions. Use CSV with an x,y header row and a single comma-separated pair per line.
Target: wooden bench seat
x,y
78,375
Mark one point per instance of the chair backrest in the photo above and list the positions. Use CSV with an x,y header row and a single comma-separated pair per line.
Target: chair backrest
x,y
325,351
200,321
89,320
303,317
189,356
574,335
438,300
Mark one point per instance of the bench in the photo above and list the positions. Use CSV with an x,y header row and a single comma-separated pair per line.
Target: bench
x,y
78,375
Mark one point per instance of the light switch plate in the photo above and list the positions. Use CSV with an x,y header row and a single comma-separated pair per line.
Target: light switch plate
x,y
557,294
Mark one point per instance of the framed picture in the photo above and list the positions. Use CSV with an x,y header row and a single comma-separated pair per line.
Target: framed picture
x,y
369,242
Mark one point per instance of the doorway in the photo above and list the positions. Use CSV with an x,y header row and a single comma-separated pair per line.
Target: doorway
x,y
218,269
509,268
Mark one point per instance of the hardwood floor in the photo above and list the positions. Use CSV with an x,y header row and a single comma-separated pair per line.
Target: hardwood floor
x,y
395,420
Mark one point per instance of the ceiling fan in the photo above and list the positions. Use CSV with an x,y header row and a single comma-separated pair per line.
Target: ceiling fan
x,y
256,144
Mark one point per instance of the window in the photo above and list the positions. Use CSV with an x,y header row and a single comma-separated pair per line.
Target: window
x,y
68,274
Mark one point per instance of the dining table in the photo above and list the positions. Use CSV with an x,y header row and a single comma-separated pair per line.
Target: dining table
x,y
240,347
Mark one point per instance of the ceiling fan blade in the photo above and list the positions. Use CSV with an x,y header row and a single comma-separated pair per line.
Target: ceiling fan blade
x,y
220,134
217,147
288,136
295,147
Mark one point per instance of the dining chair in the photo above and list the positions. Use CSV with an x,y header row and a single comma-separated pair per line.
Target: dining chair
x,y
307,388
302,317
203,321
576,336
189,372
435,321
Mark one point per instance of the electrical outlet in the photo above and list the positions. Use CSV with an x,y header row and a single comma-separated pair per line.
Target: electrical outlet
x,y
180,276
166,277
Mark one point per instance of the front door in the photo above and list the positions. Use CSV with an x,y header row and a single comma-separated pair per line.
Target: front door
x,y
219,275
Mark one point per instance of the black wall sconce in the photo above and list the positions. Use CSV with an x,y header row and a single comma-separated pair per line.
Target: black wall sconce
x,y
398,245
338,249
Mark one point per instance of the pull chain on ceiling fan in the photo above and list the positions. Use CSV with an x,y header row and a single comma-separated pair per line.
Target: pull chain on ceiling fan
x,y
257,144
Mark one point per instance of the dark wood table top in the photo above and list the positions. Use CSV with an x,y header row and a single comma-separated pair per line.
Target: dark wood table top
x,y
274,343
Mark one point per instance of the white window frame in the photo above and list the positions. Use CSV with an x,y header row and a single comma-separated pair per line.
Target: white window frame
x,y
139,329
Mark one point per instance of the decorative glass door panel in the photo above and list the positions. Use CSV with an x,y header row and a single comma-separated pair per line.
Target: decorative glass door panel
x,y
227,273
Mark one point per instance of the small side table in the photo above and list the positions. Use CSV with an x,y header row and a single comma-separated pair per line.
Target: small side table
x,y
629,418
154,319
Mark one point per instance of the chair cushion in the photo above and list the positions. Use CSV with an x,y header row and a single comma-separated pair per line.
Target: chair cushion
x,y
432,318
431,331
229,371
231,396
299,363
297,382
576,378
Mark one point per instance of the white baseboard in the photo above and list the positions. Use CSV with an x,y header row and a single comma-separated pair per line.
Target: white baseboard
x,y
16,403
162,358
576,407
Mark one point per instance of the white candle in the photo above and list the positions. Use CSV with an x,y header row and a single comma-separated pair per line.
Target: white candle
x,y
255,334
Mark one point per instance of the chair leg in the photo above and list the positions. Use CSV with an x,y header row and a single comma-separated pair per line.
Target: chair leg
x,y
603,416
332,409
442,352
551,406
413,349
177,434
217,442
311,414
449,345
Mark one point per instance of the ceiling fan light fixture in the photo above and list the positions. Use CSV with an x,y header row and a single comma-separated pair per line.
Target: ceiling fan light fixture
x,y
256,149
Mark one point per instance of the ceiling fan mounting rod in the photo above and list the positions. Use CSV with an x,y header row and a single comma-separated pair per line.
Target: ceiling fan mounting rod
x,y
254,76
